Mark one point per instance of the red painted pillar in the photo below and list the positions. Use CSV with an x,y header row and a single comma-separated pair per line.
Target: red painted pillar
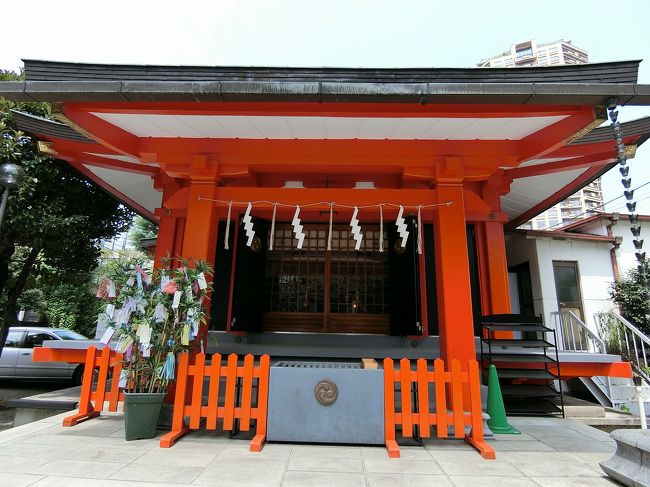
x,y
200,231
166,237
452,277
497,268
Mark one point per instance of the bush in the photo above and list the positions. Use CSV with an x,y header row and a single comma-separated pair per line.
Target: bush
x,y
71,306
632,295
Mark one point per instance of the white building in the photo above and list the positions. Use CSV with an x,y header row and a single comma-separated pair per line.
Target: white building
x,y
572,269
530,53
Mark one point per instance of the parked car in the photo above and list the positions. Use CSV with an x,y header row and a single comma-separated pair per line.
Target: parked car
x,y
16,359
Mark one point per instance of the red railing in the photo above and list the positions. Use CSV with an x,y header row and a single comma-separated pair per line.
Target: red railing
x,y
457,403
91,402
189,403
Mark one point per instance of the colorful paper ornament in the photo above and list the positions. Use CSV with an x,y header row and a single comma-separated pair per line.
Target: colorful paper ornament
x,y
248,225
203,283
297,228
108,334
168,368
356,229
177,299
102,290
124,378
160,313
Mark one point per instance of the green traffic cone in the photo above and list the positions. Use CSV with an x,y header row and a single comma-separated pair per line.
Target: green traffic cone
x,y
498,422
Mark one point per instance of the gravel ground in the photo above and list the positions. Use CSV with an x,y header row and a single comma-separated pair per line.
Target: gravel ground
x,y
16,389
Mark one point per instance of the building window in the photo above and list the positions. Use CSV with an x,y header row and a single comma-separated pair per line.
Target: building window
x,y
508,61
498,63
524,52
555,59
328,286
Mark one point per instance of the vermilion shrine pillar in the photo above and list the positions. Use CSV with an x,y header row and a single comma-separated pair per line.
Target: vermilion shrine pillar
x,y
200,234
493,254
166,236
456,328
496,266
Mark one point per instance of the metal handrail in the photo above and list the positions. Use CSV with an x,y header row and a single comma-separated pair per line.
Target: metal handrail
x,y
631,343
575,335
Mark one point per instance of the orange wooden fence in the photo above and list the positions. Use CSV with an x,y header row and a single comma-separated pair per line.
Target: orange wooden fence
x,y
91,402
189,403
452,409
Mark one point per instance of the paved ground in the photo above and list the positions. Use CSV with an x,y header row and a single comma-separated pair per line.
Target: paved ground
x,y
549,453
17,389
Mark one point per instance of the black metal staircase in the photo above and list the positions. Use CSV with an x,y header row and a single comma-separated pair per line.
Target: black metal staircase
x,y
525,354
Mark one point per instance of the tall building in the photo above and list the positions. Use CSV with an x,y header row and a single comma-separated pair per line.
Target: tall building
x,y
529,53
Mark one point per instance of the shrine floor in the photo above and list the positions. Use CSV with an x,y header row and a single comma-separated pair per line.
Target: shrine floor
x,y
549,452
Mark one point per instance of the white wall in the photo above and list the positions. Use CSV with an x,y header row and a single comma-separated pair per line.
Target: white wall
x,y
594,270
625,254
520,249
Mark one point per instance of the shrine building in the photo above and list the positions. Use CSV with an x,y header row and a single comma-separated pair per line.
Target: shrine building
x,y
347,213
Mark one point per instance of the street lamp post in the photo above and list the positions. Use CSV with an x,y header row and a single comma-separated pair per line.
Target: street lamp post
x,y
11,177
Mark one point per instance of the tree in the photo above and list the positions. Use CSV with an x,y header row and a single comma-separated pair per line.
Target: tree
x,y
632,295
57,216
142,229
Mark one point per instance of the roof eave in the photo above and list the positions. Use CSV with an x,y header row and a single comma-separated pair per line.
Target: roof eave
x,y
278,91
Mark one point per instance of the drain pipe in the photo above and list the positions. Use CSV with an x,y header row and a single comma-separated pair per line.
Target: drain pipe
x,y
615,245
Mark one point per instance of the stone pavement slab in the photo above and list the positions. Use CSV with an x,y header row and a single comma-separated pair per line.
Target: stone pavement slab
x,y
551,452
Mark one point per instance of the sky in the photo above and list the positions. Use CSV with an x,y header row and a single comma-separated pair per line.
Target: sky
x,y
344,33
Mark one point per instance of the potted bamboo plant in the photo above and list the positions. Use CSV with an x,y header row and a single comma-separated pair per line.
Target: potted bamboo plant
x,y
151,317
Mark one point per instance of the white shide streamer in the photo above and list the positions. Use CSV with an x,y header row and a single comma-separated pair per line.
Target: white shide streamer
x,y
248,225
381,228
401,227
356,229
297,228
226,237
275,207
420,230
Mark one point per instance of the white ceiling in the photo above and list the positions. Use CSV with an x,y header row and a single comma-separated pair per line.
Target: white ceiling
x,y
137,187
525,193
270,127
115,156
119,157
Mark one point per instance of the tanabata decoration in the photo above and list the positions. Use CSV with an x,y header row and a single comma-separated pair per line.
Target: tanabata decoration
x,y
153,317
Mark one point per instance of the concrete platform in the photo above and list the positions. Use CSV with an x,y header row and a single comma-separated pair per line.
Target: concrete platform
x,y
549,452
39,406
